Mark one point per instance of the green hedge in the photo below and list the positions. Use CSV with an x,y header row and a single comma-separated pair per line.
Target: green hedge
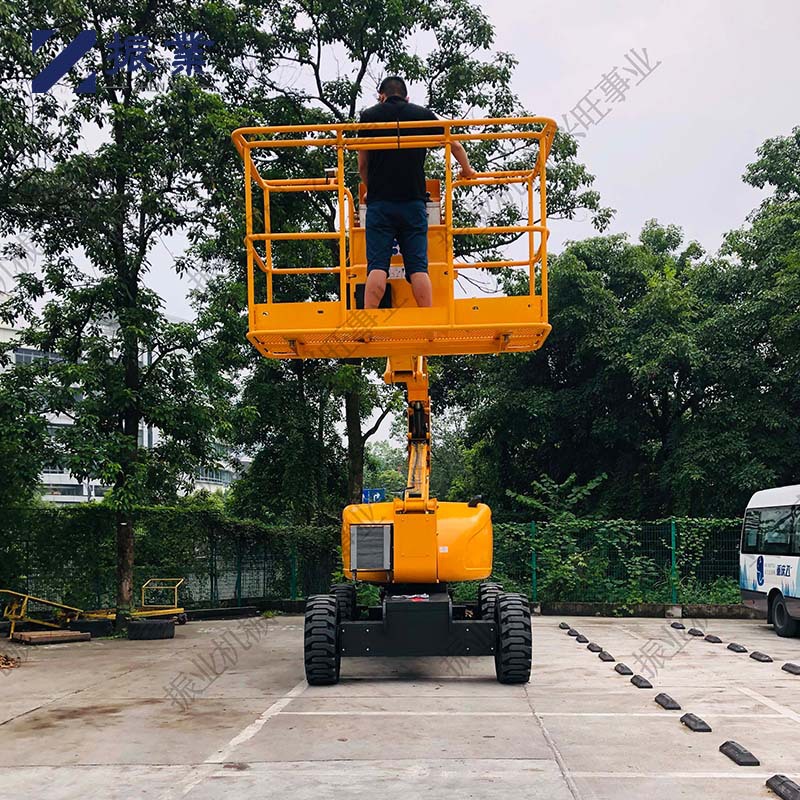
x,y
623,561
68,554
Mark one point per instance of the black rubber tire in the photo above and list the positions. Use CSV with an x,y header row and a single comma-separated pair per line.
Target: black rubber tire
x,y
140,629
783,624
514,641
97,627
345,594
181,619
487,597
321,640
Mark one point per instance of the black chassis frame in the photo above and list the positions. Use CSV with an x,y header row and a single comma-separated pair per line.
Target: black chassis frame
x,y
403,626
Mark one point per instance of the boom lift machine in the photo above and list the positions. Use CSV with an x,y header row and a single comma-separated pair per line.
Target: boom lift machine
x,y
414,545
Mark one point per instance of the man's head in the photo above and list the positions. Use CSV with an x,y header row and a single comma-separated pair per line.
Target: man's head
x,y
393,86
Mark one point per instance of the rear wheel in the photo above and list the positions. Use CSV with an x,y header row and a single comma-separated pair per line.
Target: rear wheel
x,y
514,641
321,641
487,597
784,625
345,594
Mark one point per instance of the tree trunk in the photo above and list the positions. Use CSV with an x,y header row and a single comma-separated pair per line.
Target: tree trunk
x,y
355,445
124,568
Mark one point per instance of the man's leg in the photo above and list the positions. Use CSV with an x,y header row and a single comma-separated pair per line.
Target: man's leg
x,y
375,288
380,235
422,288
413,239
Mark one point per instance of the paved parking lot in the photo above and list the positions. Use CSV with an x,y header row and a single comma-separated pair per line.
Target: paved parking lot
x,y
223,711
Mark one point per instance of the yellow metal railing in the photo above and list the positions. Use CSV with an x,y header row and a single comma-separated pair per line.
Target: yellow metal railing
x,y
346,137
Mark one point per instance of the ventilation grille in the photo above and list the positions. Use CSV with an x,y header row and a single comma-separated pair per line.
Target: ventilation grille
x,y
370,547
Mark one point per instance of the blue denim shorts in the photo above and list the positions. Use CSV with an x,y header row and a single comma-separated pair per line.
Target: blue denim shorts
x,y
407,222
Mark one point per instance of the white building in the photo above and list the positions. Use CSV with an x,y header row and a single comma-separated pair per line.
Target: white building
x,y
58,486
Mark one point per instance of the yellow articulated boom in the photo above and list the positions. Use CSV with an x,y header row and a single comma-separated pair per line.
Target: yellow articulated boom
x,y
412,546
433,542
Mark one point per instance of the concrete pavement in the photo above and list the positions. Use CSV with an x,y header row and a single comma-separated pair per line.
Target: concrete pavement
x,y
223,710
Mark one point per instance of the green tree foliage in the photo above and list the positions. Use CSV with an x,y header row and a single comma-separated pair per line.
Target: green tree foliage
x,y
385,468
97,180
335,56
672,372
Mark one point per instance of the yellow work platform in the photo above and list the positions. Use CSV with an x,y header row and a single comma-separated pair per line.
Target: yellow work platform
x,y
338,328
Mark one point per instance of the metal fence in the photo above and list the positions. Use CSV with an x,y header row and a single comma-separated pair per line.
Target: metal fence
x,y
68,555
680,560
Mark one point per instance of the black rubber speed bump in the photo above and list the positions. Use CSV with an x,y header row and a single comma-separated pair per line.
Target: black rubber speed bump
x,y
564,626
713,639
679,626
623,669
572,632
737,648
738,754
695,632
784,788
665,701
604,656
758,656
793,668
582,639
594,648
641,683
694,723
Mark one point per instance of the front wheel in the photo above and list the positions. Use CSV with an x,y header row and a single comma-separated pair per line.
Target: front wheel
x,y
784,625
513,650
321,640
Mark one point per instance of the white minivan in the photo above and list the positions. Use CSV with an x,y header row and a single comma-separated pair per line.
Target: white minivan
x,y
769,559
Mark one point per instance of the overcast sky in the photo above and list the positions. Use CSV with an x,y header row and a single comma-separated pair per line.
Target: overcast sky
x,y
675,148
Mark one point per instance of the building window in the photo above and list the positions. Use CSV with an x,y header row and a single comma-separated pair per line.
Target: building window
x,y
66,489
224,477
25,355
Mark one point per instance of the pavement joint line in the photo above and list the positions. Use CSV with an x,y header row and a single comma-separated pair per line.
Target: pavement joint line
x,y
659,714
405,713
559,759
738,775
781,709
214,762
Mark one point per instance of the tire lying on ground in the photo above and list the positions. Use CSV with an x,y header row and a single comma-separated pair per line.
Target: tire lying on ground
x,y
151,629
97,627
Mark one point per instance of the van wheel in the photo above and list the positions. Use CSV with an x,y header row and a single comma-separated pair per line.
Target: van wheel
x,y
784,625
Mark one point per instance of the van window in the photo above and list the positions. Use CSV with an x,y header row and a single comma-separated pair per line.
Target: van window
x,y
750,539
771,531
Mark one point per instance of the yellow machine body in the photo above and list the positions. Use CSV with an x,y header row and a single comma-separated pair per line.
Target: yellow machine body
x,y
423,541
454,543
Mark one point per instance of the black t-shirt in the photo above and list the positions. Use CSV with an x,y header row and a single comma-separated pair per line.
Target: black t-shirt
x,y
397,174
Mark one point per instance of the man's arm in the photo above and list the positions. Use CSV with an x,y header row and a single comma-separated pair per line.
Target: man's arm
x,y
363,160
460,155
